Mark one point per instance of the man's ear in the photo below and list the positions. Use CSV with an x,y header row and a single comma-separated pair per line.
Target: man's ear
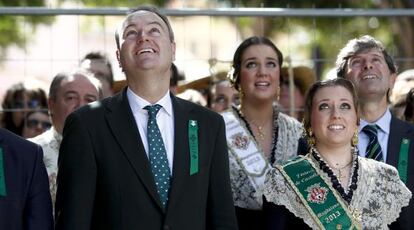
x,y
118,58
51,106
173,50
392,79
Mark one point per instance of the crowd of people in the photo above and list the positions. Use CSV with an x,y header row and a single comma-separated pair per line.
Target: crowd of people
x,y
262,147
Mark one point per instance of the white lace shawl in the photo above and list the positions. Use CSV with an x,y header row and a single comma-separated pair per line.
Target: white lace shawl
x,y
244,194
379,196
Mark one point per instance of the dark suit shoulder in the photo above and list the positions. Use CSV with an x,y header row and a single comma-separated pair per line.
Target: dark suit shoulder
x,y
398,125
94,109
16,142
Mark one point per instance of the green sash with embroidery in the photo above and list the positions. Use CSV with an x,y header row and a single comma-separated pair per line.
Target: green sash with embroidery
x,y
318,196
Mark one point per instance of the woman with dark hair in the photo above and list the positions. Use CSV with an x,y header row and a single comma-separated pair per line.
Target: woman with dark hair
x,y
36,122
18,100
332,187
258,136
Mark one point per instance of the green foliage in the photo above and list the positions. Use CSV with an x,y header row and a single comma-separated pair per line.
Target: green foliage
x,y
326,34
14,28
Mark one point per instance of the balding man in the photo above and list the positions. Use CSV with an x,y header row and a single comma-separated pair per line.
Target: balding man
x,y
68,92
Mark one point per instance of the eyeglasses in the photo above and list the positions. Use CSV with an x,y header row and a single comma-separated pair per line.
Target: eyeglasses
x,y
30,104
32,123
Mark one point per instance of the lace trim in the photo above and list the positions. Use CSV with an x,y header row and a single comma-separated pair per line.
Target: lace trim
x,y
244,194
379,197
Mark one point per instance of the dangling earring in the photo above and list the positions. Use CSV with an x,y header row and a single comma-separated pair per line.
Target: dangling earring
x,y
278,94
304,133
355,139
311,138
241,95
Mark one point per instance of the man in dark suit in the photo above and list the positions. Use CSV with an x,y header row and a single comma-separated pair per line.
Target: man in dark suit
x,y
368,65
108,177
25,201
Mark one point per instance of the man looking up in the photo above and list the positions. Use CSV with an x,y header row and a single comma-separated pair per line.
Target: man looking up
x,y
382,136
144,158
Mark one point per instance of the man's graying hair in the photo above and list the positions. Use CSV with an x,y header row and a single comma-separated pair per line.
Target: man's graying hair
x,y
57,80
357,46
151,9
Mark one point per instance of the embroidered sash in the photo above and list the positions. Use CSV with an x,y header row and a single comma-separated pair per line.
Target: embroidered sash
x,y
403,159
317,195
245,149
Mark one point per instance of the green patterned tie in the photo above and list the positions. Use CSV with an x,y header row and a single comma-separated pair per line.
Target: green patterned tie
x,y
157,154
374,150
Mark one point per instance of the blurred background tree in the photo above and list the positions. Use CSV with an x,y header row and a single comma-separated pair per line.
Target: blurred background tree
x,y
330,34
14,28
321,37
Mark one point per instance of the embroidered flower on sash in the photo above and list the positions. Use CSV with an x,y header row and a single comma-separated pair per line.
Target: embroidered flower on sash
x,y
316,193
240,141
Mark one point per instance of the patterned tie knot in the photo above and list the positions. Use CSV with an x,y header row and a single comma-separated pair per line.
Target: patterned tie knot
x,y
153,110
373,150
371,130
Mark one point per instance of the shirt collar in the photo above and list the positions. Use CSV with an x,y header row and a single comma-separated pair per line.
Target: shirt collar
x,y
56,134
138,103
383,122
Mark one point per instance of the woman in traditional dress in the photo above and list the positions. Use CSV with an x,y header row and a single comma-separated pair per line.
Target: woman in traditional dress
x,y
332,187
258,135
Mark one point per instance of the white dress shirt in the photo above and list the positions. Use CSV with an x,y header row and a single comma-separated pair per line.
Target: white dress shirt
x,y
165,121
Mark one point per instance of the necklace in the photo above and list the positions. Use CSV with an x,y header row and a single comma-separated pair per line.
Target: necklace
x,y
346,195
339,169
274,132
260,128
261,135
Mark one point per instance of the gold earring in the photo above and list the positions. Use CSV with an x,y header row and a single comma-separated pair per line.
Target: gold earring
x,y
241,95
355,138
304,133
311,138
278,93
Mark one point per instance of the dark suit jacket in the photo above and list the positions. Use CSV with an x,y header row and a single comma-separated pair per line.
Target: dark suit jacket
x,y
398,130
27,204
105,180
280,218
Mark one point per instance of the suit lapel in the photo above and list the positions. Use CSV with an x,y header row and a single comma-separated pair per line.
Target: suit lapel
x,y
125,131
181,163
398,131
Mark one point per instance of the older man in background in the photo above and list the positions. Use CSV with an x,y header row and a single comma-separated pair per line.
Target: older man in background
x,y
68,92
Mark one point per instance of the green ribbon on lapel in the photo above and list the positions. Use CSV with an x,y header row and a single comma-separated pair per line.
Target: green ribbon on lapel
x,y
2,177
403,159
193,144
